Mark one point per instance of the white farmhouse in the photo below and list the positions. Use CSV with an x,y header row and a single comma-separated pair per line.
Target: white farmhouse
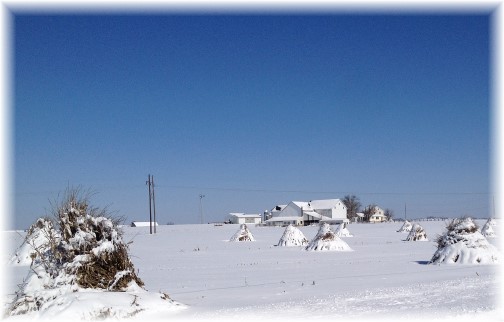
x,y
377,215
305,213
241,218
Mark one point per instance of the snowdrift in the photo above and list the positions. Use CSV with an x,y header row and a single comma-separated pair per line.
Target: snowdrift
x,y
487,229
292,236
37,241
326,240
406,227
417,233
342,231
462,243
243,234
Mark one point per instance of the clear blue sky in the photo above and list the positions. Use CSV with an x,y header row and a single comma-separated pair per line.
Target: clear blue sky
x,y
252,111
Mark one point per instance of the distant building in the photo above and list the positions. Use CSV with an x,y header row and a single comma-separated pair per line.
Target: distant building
x,y
359,217
377,215
242,218
268,214
305,213
142,224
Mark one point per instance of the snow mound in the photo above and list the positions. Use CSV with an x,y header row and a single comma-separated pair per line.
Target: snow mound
x,y
63,305
243,234
406,227
342,231
491,222
37,241
292,236
487,229
417,233
462,243
327,240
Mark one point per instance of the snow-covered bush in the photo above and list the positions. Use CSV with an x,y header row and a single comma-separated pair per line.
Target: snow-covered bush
x,y
406,227
342,231
40,238
243,234
292,236
327,240
463,243
487,229
417,233
87,253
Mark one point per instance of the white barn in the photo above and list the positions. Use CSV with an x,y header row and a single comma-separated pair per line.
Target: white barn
x,y
304,213
241,218
143,224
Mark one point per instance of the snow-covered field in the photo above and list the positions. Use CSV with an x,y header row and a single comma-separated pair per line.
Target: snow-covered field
x,y
382,277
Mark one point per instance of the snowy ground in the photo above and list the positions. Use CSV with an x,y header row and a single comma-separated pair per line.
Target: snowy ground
x,y
383,277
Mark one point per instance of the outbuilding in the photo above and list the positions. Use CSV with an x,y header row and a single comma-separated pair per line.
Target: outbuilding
x,y
242,218
143,224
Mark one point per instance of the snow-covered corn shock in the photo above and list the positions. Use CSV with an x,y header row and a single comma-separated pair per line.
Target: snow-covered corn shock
x,y
406,227
487,229
326,240
462,243
243,234
292,236
342,230
80,270
417,233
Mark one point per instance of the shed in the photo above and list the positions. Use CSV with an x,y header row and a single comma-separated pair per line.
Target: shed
x,y
242,218
142,224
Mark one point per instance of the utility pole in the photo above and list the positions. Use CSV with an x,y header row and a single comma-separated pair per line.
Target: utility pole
x,y
152,202
493,201
201,196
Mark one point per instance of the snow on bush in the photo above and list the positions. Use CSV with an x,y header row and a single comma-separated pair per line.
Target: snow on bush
x,y
462,243
87,258
406,227
292,236
327,240
417,233
342,231
40,238
487,229
243,234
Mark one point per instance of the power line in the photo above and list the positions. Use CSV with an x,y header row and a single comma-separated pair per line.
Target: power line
x,y
238,189
323,192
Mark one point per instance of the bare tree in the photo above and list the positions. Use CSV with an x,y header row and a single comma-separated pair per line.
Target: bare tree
x,y
353,206
389,213
369,211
